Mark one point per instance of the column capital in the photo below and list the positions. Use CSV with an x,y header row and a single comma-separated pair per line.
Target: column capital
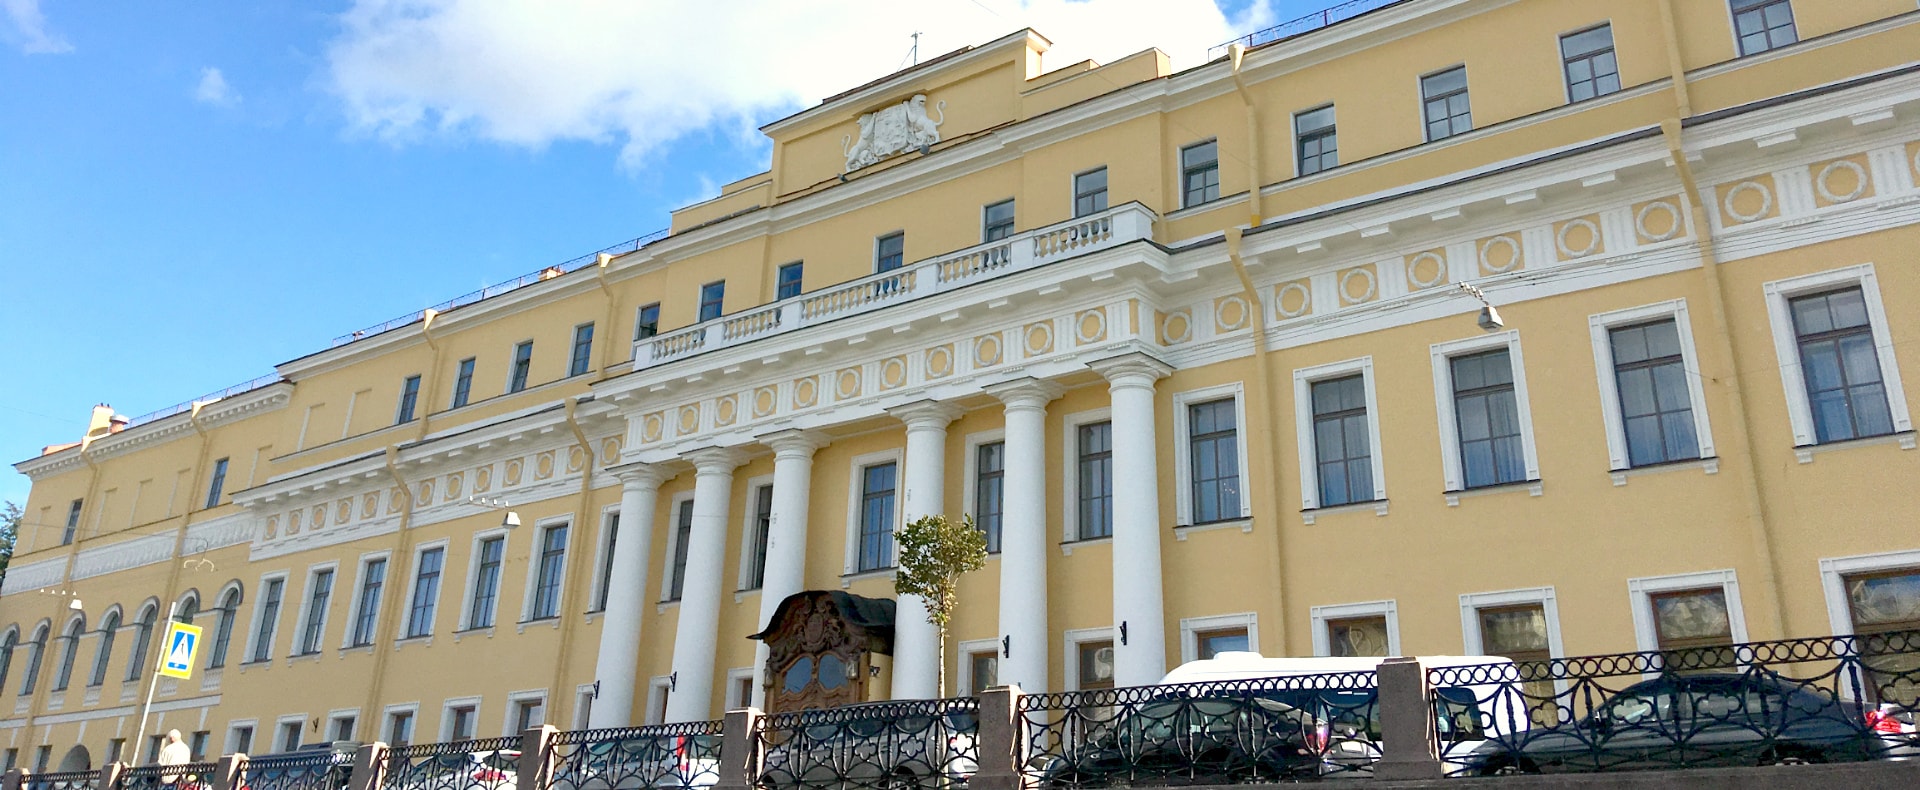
x,y
716,460
931,414
1134,369
1026,393
794,443
640,475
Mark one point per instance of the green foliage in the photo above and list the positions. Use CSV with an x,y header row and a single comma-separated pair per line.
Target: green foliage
x,y
934,552
10,517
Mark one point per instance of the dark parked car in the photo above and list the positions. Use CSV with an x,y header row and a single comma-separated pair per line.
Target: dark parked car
x,y
1692,720
1206,740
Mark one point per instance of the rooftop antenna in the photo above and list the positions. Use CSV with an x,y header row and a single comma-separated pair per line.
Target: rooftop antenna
x,y
915,52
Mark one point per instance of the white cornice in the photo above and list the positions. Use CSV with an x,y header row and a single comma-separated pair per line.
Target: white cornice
x,y
212,415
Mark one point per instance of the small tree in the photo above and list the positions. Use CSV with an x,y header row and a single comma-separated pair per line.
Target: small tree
x,y
935,552
10,517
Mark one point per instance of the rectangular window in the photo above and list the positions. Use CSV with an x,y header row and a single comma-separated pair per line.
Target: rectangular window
x,y
73,523
1214,460
289,736
1199,174
1315,144
1886,602
1520,632
372,578
1095,489
242,739
1487,419
983,668
1588,61
890,252
1090,192
465,722
1761,25
606,561
646,322
115,748
463,383
1691,618
1225,640
318,596
1358,636
682,535
1656,406
426,592
582,350
997,221
553,558
756,570
787,280
409,399
219,484
41,757
712,295
269,618
400,728
1096,664
1443,97
522,366
486,583
1840,365
877,486
528,714
989,479
1342,441
13,755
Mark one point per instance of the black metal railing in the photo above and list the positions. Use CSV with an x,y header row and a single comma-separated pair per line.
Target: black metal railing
x,y
315,770
626,758
480,764
877,746
63,780
1826,699
1300,727
1302,24
188,776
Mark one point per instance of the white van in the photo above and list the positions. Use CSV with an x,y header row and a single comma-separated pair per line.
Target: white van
x,y
1502,710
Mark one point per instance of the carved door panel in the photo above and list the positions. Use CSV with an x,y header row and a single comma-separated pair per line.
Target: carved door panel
x,y
818,680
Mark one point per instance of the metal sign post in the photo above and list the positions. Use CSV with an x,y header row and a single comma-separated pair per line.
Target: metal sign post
x,y
178,647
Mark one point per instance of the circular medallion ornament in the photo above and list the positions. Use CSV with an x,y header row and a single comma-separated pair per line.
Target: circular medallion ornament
x,y
343,510
1841,181
543,466
1748,201
1427,270
847,384
763,401
1039,339
1657,221
456,484
273,527
1577,238
940,361
724,411
1357,285
369,505
986,351
1294,300
650,430
1501,254
513,471
893,372
319,517
1230,313
805,392
1177,328
1091,327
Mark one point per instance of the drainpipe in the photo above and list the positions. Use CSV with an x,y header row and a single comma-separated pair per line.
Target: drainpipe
x,y
569,594
1265,404
1237,53
1758,523
391,608
1676,64
600,269
431,374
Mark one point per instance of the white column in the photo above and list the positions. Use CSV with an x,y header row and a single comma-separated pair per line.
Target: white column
x,y
615,669
916,643
786,535
696,636
1023,534
1139,618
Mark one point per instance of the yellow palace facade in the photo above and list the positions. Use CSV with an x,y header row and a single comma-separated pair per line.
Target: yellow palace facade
x,y
1192,346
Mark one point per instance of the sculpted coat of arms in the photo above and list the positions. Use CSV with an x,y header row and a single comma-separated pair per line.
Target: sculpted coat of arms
x,y
894,130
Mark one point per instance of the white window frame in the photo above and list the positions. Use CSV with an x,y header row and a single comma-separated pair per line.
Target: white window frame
x,y
732,695
1070,476
334,716
673,545
1192,627
473,576
541,528
233,734
516,699
1601,326
386,720
602,554
446,716
1833,585
1073,191
1183,448
1640,592
1442,356
1075,637
253,623
658,688
1472,603
856,465
1786,346
280,726
582,705
413,579
964,673
306,602
970,484
359,588
1323,641
1303,381
747,517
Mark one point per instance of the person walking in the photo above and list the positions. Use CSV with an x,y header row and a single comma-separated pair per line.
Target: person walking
x,y
174,752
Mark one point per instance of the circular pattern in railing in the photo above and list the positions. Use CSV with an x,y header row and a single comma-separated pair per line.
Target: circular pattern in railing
x,y
1823,183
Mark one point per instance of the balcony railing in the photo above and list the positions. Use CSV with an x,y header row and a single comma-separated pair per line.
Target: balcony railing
x,y
995,259
185,406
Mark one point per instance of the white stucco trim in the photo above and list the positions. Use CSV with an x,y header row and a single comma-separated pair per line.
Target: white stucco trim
x,y
1786,345
1442,355
1183,449
1192,627
1390,609
1600,327
1303,381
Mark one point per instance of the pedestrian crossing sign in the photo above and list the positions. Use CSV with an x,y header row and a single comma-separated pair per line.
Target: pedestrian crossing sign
x,y
177,660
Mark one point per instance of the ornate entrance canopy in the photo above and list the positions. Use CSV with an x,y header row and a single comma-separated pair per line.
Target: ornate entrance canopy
x,y
820,648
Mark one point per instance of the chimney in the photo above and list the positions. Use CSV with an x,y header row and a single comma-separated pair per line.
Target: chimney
x,y
118,423
101,423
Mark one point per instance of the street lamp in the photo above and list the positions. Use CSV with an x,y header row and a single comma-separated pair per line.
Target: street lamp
x,y
1489,315
508,521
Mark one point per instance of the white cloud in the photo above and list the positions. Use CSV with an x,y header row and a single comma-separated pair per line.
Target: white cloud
x,y
27,28
532,72
213,89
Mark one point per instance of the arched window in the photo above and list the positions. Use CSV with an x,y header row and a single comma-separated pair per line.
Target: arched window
x,y
142,638
189,609
69,652
223,630
34,649
109,627
6,653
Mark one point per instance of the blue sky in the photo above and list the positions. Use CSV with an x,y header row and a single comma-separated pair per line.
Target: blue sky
x,y
191,193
